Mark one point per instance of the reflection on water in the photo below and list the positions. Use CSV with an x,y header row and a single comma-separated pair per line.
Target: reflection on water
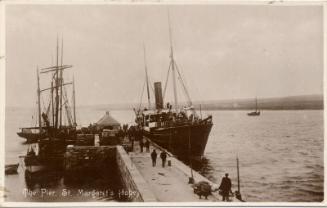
x,y
42,179
87,185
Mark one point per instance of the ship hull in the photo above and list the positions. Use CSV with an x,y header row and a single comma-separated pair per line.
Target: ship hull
x,y
188,141
31,137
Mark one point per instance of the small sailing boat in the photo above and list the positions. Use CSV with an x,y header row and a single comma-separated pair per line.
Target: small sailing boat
x,y
256,112
11,169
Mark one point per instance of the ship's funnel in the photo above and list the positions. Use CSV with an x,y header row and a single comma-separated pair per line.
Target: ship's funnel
x,y
158,95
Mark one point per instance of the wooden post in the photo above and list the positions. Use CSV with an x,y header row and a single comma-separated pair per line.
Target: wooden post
x,y
238,192
191,179
238,176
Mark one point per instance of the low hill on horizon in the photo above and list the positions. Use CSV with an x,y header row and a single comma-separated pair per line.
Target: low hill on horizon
x,y
300,102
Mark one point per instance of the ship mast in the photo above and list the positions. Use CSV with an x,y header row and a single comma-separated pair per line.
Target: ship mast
x,y
52,105
57,87
74,104
147,79
39,99
172,64
175,69
61,82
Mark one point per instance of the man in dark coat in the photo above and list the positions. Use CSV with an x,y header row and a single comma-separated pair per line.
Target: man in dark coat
x,y
163,156
141,144
225,187
154,157
147,145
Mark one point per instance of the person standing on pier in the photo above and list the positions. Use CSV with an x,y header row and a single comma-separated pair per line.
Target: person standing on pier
x,y
147,145
132,141
225,187
154,157
141,145
163,156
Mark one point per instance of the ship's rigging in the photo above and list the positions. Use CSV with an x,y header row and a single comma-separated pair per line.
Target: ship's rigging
x,y
58,101
173,70
177,127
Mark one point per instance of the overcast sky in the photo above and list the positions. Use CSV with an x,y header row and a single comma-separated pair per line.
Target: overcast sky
x,y
224,52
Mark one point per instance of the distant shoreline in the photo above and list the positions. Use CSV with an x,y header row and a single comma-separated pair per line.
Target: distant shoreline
x,y
225,109
301,102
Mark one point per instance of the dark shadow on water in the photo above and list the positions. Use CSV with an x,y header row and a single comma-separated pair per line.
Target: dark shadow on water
x,y
44,179
84,185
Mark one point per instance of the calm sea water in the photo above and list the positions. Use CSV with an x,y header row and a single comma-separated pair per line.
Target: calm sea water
x,y
280,153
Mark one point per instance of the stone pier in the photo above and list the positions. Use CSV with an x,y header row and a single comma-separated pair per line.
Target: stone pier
x,y
81,160
169,183
147,183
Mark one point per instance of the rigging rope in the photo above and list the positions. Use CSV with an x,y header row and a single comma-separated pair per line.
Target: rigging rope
x,y
142,96
151,85
183,85
32,120
167,77
67,107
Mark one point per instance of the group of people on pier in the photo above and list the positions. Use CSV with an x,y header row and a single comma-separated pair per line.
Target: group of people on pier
x,y
163,156
145,143
134,133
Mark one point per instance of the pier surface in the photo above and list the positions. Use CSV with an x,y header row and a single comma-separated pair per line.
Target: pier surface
x,y
168,184
137,175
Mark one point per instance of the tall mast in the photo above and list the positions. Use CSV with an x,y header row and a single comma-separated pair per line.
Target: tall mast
x,y
52,105
61,81
172,63
74,104
39,99
256,104
147,78
57,86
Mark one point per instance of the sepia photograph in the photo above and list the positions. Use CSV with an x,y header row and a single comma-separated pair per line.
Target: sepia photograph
x,y
156,102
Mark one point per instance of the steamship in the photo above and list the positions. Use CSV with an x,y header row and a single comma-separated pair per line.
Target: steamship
x,y
178,129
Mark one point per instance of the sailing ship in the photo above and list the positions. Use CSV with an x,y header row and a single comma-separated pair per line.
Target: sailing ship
x,y
50,147
178,129
56,107
256,112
